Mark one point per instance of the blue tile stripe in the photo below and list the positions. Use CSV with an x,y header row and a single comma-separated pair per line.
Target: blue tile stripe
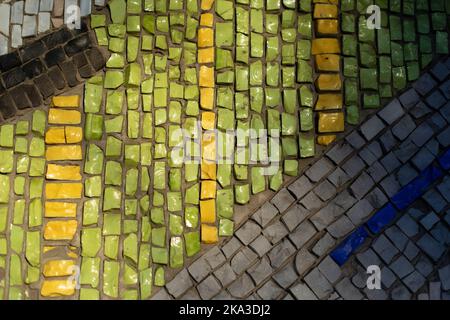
x,y
399,202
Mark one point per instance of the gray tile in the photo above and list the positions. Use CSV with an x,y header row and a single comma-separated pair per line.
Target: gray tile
x,y
414,281
261,245
431,247
242,287
339,152
425,84
348,291
225,274
397,237
231,247
280,253
368,258
303,261
31,6
265,214
324,245
260,271
406,174
401,267
423,159
390,162
300,187
385,249
387,140
420,110
4,18
330,269
391,112
304,232
436,100
360,211
209,287
270,291
338,177
372,127
275,232
421,134
180,284
400,292
404,127
355,140
311,201
282,200
248,232
286,276
17,12
377,171
294,216
424,266
353,166
319,169
302,292
444,276
362,185
410,98
408,225
29,26
341,227
325,190
318,283
429,220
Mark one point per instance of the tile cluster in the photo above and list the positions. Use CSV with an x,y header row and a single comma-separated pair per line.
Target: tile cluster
x,y
48,66
283,250
25,19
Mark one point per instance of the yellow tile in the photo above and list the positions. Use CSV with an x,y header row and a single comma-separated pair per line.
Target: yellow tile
x,y
331,122
205,37
72,254
58,268
325,45
208,189
328,62
327,26
209,234
206,55
48,248
66,101
326,140
73,134
57,288
208,211
207,98
58,172
55,135
207,19
208,120
60,209
325,11
60,230
208,170
207,4
209,146
63,190
55,153
329,82
57,116
206,77
329,101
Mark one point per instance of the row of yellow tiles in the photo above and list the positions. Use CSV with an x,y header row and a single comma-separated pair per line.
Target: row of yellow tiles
x,y
63,143
326,51
209,232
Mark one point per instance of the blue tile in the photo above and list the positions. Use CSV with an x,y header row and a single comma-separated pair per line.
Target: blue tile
x,y
444,160
341,254
382,218
413,190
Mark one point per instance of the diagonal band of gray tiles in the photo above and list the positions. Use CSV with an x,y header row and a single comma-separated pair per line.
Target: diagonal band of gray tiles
x,y
281,252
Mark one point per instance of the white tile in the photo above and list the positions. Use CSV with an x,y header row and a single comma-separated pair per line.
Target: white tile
x,y
16,36
4,18
43,21
17,12
3,44
46,5
29,26
31,6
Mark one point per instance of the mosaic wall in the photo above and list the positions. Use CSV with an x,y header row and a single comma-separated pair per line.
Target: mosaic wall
x,y
99,201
